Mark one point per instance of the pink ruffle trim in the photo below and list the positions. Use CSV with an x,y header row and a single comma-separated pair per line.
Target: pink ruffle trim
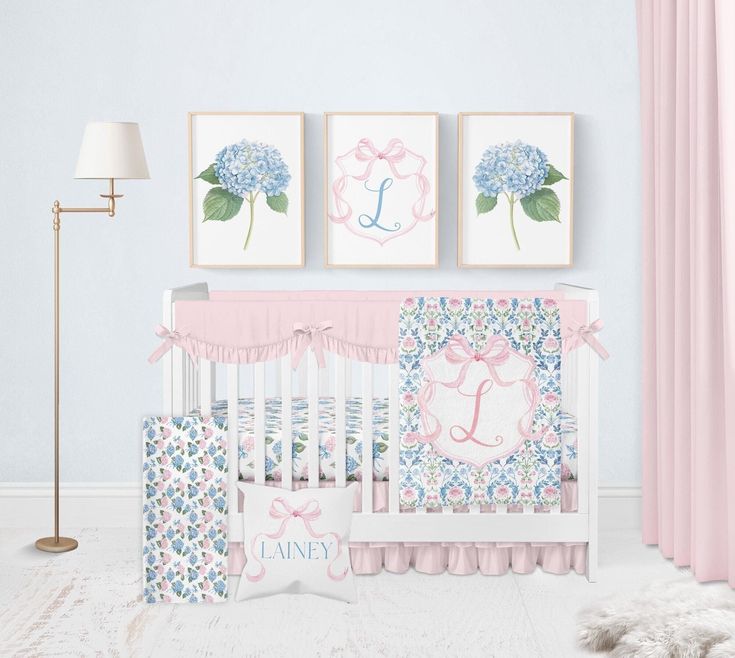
x,y
459,558
462,559
256,353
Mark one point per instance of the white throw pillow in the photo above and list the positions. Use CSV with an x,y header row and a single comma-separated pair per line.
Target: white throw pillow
x,y
297,542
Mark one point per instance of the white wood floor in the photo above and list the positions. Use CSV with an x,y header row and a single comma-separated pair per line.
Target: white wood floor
x,y
88,603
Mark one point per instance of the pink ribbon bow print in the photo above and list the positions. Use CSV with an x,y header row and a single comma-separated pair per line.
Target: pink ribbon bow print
x,y
393,153
310,511
403,164
585,333
170,338
309,335
459,350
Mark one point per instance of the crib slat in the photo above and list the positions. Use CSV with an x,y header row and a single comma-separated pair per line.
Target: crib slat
x,y
193,385
286,437
367,438
233,454
196,398
349,388
340,447
206,369
324,375
301,377
259,418
312,368
179,389
501,509
528,509
187,379
475,509
394,441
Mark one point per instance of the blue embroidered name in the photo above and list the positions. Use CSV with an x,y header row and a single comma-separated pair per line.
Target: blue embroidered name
x,y
295,550
366,221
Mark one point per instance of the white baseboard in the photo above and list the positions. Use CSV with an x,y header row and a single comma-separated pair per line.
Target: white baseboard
x,y
118,505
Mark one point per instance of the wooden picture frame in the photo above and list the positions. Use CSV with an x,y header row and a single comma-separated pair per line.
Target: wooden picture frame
x,y
486,143
365,155
222,213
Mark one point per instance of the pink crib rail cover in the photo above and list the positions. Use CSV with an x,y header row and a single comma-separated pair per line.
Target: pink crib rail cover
x,y
252,326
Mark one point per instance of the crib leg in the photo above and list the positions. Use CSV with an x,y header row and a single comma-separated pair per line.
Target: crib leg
x,y
591,572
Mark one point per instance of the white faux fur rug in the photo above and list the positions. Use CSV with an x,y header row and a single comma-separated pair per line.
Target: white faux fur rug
x,y
680,619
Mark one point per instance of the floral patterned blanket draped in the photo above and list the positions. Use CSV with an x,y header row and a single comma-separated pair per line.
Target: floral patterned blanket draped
x,y
480,410
185,509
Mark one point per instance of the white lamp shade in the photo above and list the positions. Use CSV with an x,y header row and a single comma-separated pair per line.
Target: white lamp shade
x,y
111,150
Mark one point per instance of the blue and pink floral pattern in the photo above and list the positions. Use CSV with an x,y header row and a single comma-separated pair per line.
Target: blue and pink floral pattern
x,y
531,474
300,437
185,509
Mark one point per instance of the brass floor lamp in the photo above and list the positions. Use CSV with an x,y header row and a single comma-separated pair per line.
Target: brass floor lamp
x,y
109,150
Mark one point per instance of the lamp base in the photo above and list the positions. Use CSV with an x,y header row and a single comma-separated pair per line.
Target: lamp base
x,y
50,545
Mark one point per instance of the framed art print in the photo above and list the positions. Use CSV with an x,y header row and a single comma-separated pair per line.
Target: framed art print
x,y
246,189
515,182
381,189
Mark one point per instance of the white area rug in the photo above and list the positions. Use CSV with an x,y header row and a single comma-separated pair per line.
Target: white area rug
x,y
679,619
88,603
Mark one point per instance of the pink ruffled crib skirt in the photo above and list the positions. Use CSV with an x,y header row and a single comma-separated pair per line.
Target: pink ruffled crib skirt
x,y
459,558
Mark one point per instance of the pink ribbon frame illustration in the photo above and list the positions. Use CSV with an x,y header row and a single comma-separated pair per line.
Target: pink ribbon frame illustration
x,y
285,513
358,163
477,406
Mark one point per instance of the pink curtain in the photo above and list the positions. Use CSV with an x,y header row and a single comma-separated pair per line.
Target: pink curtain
x,y
687,62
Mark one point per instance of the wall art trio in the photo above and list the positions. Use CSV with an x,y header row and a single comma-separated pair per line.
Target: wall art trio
x,y
246,180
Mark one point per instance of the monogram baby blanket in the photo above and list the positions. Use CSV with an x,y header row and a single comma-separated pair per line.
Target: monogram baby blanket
x,y
480,395
184,509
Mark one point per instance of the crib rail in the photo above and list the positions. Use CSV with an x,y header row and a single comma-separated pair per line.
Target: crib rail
x,y
187,386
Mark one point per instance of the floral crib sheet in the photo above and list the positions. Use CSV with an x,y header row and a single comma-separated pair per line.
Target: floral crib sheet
x,y
185,509
327,438
480,410
300,437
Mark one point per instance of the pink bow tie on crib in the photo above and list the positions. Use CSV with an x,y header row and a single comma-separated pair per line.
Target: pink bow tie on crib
x,y
585,333
170,338
313,337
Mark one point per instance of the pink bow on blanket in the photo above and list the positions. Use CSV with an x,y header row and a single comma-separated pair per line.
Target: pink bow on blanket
x,y
308,512
584,333
313,337
459,350
170,338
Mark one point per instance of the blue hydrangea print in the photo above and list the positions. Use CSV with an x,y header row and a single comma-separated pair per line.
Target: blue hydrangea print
x,y
242,172
521,173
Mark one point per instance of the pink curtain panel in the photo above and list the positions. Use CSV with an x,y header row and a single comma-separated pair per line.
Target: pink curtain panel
x,y
687,61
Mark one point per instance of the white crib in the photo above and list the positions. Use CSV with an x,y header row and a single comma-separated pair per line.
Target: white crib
x,y
187,386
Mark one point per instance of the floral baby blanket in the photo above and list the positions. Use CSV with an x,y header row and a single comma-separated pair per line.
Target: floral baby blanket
x,y
185,509
480,386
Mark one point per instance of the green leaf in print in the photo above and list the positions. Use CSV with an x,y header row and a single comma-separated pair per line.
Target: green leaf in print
x,y
208,175
382,447
278,203
485,203
299,447
220,205
542,205
554,176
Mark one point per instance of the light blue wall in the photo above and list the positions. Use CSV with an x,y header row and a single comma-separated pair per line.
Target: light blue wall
x,y
152,61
